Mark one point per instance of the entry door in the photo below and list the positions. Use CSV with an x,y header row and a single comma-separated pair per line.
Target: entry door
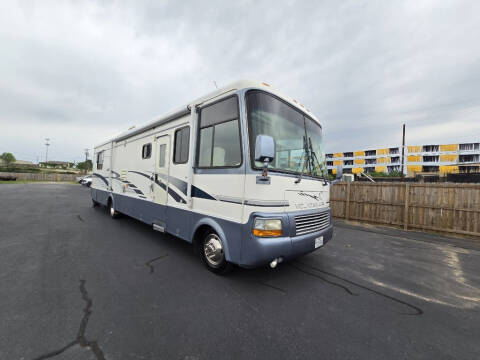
x,y
162,166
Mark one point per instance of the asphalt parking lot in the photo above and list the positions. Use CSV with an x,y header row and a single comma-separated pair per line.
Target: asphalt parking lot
x,y
76,284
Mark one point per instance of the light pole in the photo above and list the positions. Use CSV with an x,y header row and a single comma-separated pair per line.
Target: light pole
x,y
86,158
47,144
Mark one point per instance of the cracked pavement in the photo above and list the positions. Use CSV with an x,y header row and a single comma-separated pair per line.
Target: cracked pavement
x,y
76,285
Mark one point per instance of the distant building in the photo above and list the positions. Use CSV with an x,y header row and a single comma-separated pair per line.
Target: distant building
x,y
441,159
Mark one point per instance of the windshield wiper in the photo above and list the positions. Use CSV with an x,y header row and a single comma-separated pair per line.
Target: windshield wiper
x,y
313,158
306,161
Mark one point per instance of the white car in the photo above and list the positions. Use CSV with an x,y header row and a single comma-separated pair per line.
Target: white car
x,y
86,181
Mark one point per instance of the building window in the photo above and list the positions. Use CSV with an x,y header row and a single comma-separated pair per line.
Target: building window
x,y
348,154
329,163
329,155
395,159
161,155
370,161
370,153
100,160
147,151
181,147
430,148
347,162
219,135
393,151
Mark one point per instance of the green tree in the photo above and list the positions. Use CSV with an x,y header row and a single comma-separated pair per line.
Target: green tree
x,y
8,158
85,165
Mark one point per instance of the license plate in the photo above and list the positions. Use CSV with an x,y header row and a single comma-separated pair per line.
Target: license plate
x,y
318,242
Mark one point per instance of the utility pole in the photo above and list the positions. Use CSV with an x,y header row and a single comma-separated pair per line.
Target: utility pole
x,y
47,144
86,158
403,151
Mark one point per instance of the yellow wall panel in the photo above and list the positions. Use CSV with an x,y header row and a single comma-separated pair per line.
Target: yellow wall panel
x,y
357,170
338,155
359,153
334,171
383,151
414,168
448,169
412,158
338,162
414,149
385,160
380,168
449,147
450,158
359,161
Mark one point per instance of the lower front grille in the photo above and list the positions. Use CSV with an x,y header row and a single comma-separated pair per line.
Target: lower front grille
x,y
306,224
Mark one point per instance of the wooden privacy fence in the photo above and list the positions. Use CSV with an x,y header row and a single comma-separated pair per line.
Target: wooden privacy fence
x,y
452,208
41,176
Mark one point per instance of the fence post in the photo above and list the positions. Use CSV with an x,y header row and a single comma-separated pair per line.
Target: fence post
x,y
405,212
347,202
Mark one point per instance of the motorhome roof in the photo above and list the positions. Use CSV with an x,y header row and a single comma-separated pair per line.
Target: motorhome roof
x,y
184,110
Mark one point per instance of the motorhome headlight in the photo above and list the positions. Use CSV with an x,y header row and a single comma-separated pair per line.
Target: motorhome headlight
x,y
267,227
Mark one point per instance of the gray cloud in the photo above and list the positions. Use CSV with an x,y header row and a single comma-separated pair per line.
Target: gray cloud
x,y
79,72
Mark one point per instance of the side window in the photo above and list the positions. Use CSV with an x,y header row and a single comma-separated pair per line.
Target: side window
x,y
161,155
181,146
219,135
100,160
146,151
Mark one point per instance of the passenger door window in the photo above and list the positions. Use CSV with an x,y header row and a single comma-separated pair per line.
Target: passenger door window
x,y
181,146
219,135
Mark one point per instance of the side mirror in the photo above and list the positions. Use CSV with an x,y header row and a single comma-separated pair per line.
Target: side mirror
x,y
339,172
264,149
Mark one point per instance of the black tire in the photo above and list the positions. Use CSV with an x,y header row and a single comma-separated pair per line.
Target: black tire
x,y
217,263
114,214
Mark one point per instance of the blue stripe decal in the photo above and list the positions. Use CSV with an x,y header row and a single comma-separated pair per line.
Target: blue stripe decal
x,y
179,184
198,193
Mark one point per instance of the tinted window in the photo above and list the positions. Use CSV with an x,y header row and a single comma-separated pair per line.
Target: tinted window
x,y
205,147
146,151
161,156
182,139
219,112
100,160
219,135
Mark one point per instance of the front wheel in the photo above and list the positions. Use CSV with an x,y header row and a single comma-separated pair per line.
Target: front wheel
x,y
212,252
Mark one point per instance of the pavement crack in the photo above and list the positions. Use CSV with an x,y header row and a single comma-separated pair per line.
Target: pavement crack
x,y
418,311
272,287
80,340
149,263
347,290
80,218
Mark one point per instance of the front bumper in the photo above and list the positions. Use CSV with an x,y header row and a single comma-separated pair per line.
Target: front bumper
x,y
258,251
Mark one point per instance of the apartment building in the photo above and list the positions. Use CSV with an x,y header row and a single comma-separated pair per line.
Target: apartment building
x,y
441,159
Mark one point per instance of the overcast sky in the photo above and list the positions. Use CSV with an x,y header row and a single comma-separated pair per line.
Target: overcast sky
x,y
79,72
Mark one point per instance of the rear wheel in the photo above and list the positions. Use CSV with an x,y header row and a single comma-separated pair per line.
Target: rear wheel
x,y
111,210
212,252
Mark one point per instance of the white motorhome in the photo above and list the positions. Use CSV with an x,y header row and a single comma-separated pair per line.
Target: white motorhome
x,y
240,173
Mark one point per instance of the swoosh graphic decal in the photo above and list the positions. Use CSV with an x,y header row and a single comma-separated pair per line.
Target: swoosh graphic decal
x,y
171,192
101,178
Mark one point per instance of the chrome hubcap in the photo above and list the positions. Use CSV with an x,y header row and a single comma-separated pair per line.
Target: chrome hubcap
x,y
213,249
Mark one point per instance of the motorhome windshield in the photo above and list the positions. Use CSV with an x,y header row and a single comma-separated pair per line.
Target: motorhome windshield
x,y
298,139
